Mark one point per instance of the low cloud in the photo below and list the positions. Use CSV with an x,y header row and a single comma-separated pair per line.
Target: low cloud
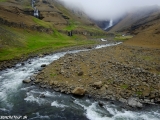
x,y
107,9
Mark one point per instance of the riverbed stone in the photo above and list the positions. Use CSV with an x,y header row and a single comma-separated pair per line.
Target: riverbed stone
x,y
79,91
134,102
80,73
98,84
27,81
43,65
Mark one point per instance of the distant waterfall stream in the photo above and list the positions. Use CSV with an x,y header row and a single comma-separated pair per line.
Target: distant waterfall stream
x,y
110,25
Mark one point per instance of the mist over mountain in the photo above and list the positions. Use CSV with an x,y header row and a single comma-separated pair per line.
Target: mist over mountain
x,y
107,9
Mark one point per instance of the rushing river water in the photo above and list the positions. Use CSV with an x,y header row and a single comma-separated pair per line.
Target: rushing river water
x,y
25,101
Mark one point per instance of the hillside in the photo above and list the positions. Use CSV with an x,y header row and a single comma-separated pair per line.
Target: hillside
x,y
23,33
144,24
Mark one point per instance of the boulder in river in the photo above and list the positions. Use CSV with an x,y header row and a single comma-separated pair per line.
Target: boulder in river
x,y
27,81
134,102
100,103
43,65
79,91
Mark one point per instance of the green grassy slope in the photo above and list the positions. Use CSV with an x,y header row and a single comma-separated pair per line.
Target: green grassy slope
x,y
16,42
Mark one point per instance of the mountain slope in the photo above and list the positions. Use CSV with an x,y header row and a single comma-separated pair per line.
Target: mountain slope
x,y
22,34
52,14
145,26
134,17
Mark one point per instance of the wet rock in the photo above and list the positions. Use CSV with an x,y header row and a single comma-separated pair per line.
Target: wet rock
x,y
37,81
100,103
123,100
98,85
79,91
157,100
40,55
27,81
22,64
32,78
33,83
43,65
56,89
43,86
134,102
42,96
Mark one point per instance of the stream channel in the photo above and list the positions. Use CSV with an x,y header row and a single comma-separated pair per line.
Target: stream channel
x,y
23,101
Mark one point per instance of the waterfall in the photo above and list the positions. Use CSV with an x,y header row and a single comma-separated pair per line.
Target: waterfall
x,y
36,12
110,25
33,2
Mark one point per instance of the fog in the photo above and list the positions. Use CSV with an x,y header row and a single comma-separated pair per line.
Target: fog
x,y
107,9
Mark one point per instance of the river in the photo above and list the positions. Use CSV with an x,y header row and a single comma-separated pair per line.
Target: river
x,y
25,101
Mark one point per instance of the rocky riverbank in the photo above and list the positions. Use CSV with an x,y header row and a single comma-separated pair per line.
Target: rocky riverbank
x,y
124,73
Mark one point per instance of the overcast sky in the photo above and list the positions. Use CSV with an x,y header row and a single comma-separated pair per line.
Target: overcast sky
x,y
108,9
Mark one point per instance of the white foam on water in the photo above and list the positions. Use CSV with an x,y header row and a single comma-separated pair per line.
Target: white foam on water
x,y
49,94
38,116
58,105
27,88
92,113
4,109
34,99
131,115
45,93
112,110
11,79
128,115
103,40
107,45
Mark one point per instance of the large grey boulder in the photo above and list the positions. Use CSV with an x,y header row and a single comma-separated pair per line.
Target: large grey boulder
x,y
79,91
27,81
134,102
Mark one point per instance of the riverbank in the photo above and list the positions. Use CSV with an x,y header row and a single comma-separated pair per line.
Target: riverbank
x,y
116,73
9,63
